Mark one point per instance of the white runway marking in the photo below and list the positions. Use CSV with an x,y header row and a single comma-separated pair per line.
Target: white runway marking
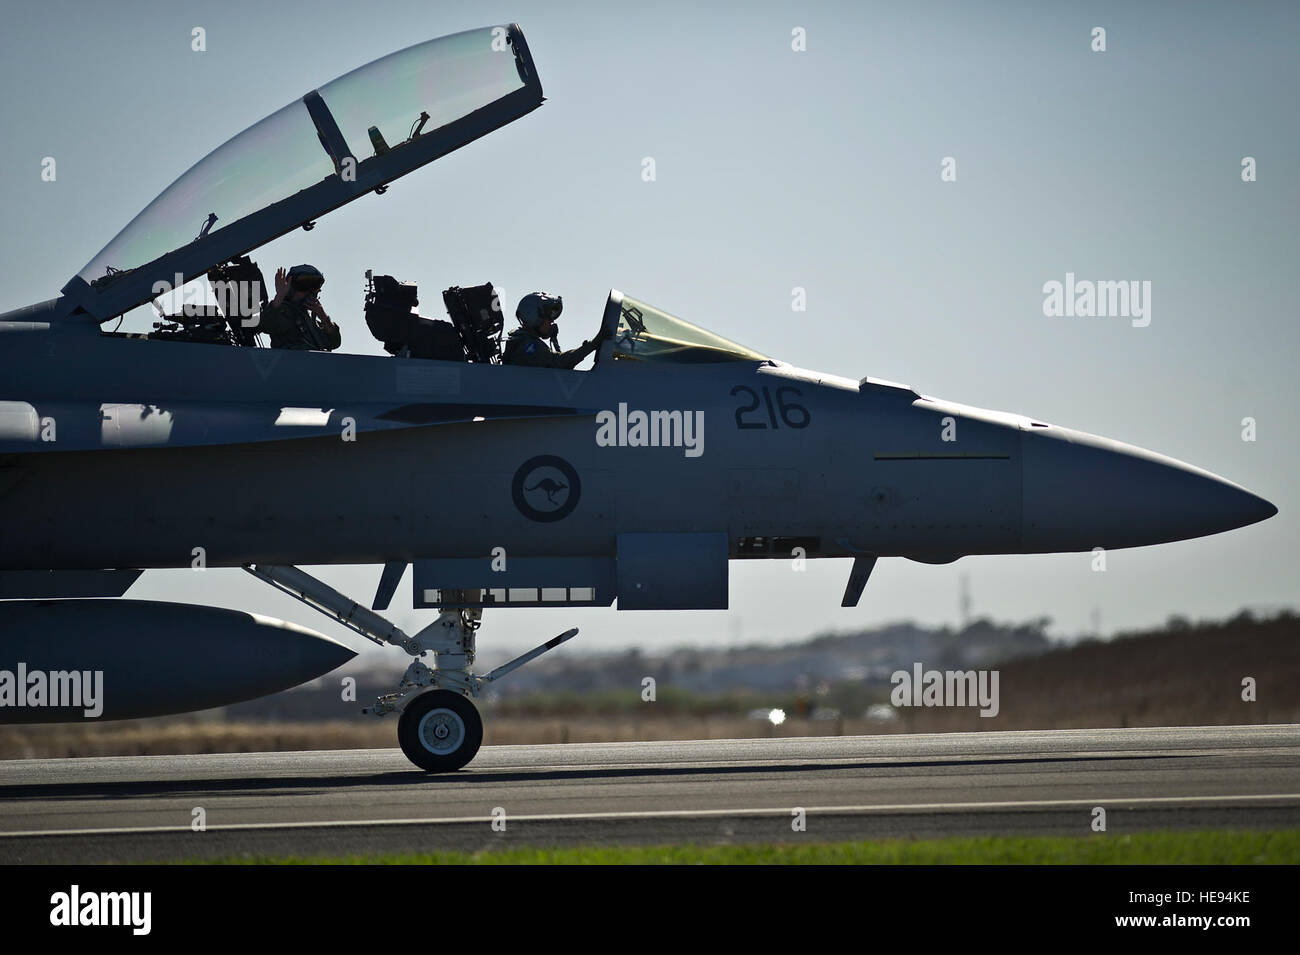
x,y
1119,803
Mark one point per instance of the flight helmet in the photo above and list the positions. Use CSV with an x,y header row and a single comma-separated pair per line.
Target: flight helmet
x,y
306,278
536,307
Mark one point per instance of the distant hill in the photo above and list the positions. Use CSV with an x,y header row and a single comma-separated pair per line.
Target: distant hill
x,y
859,662
1182,674
858,656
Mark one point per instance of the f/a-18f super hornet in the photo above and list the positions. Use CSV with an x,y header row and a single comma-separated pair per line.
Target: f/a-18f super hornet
x,y
501,485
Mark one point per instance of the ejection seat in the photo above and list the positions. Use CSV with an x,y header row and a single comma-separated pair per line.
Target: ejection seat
x,y
472,335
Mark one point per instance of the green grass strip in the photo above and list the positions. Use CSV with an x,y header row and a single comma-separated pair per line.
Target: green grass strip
x,y
1217,847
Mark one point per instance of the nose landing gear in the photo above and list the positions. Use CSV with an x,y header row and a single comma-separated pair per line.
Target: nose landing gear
x,y
439,729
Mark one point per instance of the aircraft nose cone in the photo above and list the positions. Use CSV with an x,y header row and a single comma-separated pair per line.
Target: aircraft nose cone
x,y
1081,491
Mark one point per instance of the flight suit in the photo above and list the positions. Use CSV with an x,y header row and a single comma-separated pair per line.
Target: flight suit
x,y
525,347
290,325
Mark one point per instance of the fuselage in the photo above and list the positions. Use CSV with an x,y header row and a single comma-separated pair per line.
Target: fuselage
x,y
260,456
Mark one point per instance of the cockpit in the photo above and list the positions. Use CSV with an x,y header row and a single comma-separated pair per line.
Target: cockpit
x,y
335,144
630,330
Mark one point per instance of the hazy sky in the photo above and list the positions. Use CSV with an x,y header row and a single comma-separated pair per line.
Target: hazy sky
x,y
777,169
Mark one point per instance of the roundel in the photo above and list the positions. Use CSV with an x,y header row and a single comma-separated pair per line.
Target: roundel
x,y
546,488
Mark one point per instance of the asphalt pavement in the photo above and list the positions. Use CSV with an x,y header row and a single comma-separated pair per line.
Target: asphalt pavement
x,y
147,808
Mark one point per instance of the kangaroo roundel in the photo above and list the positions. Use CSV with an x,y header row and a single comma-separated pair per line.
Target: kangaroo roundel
x,y
546,488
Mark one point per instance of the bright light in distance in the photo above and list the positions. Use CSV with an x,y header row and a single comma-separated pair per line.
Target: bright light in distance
x,y
777,717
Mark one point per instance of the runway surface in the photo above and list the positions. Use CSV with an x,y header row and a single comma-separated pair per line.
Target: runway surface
x,y
128,809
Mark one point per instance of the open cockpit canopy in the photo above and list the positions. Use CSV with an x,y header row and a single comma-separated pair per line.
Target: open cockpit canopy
x,y
335,144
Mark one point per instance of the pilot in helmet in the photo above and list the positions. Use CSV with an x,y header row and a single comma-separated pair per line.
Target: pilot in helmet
x,y
295,318
535,342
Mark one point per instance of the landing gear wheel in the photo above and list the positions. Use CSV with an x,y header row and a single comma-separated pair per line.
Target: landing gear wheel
x,y
440,731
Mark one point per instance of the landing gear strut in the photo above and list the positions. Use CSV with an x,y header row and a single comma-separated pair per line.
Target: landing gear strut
x,y
439,729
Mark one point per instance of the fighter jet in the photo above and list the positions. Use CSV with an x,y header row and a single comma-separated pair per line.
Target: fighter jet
x,y
636,481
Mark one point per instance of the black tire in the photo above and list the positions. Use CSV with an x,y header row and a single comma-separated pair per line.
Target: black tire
x,y
440,731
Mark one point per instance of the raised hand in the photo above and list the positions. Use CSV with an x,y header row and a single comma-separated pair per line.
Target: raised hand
x,y
281,283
